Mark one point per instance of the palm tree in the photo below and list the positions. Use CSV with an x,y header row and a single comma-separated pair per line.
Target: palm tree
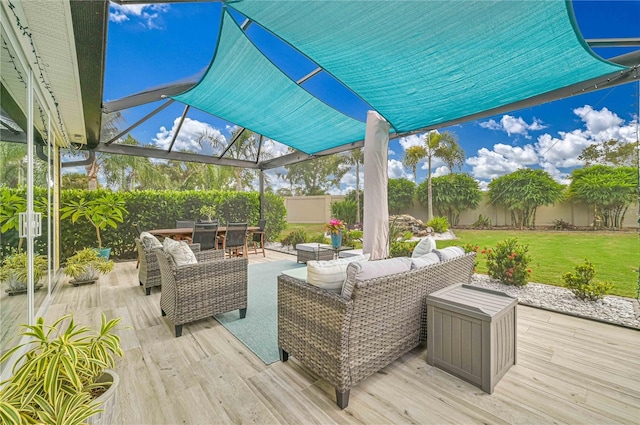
x,y
355,158
412,156
436,145
444,146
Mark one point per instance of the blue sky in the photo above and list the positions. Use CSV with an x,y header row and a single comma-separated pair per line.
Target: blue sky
x,y
151,45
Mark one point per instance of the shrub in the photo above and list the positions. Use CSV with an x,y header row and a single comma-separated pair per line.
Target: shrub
x,y
294,238
318,238
344,210
349,238
439,224
560,224
402,249
509,262
582,284
469,247
482,222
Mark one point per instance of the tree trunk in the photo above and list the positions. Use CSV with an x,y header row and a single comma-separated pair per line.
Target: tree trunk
x,y
358,192
92,174
238,171
429,192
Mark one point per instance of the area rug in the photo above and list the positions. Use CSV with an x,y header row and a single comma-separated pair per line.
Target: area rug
x,y
259,330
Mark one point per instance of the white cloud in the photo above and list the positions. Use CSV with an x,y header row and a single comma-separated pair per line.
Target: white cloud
x,y
489,165
524,156
187,140
440,171
563,152
512,125
390,153
397,170
147,15
598,122
407,142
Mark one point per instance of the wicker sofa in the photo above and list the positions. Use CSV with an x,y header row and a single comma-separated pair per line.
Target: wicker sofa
x,y
149,270
346,340
196,291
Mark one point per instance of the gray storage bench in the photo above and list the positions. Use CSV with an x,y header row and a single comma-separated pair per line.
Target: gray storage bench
x,y
471,333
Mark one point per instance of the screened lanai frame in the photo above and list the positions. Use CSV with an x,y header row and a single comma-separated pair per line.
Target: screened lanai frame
x,y
627,72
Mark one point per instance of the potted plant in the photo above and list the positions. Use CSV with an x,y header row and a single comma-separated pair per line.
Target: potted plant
x,y
106,210
86,265
14,272
208,211
335,227
63,377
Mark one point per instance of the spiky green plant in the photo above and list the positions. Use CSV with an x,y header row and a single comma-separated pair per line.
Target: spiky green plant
x,y
54,381
14,269
86,264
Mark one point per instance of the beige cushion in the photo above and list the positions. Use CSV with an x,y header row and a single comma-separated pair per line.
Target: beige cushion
x,y
425,246
449,252
425,260
179,251
330,274
149,241
366,270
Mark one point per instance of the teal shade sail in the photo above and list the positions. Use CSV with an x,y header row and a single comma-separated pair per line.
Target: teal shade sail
x,y
242,86
422,63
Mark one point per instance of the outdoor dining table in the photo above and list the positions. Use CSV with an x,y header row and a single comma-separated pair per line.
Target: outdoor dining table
x,y
181,232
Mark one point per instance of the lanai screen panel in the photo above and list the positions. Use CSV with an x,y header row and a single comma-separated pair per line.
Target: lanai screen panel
x,y
242,86
421,63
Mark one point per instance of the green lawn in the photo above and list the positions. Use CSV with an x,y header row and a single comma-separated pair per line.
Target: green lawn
x,y
615,255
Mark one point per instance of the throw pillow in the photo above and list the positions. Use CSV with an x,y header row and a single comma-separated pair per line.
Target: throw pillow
x,y
330,274
366,270
425,246
425,260
149,241
449,252
180,252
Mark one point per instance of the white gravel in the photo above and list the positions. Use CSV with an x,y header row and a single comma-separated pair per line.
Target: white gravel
x,y
622,311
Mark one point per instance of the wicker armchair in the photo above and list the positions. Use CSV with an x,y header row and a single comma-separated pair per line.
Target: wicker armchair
x,y
196,291
344,341
149,271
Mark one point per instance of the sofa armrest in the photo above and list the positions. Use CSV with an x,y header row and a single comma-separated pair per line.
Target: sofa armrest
x,y
313,326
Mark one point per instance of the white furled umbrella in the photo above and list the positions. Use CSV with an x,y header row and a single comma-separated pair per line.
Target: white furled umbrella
x,y
376,211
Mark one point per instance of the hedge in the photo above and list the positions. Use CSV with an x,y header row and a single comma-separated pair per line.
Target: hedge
x,y
154,209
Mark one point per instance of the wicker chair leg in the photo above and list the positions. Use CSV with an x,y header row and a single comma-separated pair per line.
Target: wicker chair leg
x,y
148,291
284,356
178,330
243,313
163,313
140,282
342,398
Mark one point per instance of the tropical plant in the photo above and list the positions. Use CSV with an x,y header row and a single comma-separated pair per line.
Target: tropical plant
x,y
86,264
522,192
439,224
612,152
582,284
14,270
335,226
294,238
509,262
452,195
610,190
106,210
400,195
56,380
401,248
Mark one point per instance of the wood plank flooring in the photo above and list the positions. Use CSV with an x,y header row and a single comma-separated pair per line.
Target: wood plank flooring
x,y
569,370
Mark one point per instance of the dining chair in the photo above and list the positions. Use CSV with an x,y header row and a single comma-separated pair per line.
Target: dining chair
x,y
257,237
206,234
235,238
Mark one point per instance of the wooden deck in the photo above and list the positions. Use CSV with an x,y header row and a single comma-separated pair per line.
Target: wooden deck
x,y
569,370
